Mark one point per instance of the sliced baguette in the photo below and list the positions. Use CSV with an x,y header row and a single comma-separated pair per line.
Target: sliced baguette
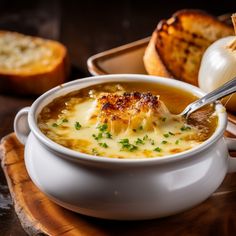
x,y
31,65
177,45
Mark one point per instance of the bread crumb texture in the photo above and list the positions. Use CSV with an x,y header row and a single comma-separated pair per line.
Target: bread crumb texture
x,y
31,65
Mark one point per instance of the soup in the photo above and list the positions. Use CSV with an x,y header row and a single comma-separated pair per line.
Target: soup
x,y
126,120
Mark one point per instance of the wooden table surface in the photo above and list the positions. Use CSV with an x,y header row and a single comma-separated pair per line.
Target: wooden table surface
x,y
86,28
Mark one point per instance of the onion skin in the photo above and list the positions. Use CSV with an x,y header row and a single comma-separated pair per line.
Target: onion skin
x,y
218,66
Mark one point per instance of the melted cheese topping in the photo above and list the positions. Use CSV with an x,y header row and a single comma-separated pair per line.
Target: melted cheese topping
x,y
120,125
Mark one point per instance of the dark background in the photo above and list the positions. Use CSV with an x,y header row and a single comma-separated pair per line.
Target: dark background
x,y
86,28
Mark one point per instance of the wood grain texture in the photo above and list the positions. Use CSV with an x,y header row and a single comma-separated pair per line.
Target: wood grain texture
x,y
36,212
38,215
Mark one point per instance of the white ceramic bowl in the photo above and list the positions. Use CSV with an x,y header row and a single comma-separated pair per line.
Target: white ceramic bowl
x,y
123,189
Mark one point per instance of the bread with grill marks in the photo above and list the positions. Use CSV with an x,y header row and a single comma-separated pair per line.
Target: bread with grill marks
x,y
177,45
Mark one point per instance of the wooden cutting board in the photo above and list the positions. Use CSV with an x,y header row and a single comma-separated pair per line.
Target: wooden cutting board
x,y
38,215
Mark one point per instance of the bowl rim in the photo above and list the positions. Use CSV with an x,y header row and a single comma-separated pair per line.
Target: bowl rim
x,y
100,79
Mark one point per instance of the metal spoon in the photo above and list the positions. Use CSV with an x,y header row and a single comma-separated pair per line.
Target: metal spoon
x,y
226,89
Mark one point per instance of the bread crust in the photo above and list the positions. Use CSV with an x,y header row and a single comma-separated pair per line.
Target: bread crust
x,y
177,45
33,82
152,61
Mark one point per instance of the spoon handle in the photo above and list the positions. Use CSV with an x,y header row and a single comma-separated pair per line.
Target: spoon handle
x,y
226,89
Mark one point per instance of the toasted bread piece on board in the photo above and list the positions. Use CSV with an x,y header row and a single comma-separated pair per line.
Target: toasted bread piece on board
x,y
31,65
177,44
152,61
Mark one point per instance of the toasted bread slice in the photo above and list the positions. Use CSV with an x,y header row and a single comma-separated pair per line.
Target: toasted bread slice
x,y
31,65
177,45
152,61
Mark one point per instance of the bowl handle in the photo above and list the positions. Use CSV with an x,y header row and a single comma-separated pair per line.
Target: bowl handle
x,y
21,125
231,143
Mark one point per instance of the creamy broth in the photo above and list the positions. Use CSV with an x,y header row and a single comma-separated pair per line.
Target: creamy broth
x,y
126,120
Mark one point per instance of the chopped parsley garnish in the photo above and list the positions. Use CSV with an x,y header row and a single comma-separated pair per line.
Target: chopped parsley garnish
x,y
77,125
170,133
97,137
177,142
146,138
102,127
64,120
132,148
103,132
157,149
164,142
134,130
95,152
104,145
185,128
139,141
126,145
124,141
108,135
166,135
